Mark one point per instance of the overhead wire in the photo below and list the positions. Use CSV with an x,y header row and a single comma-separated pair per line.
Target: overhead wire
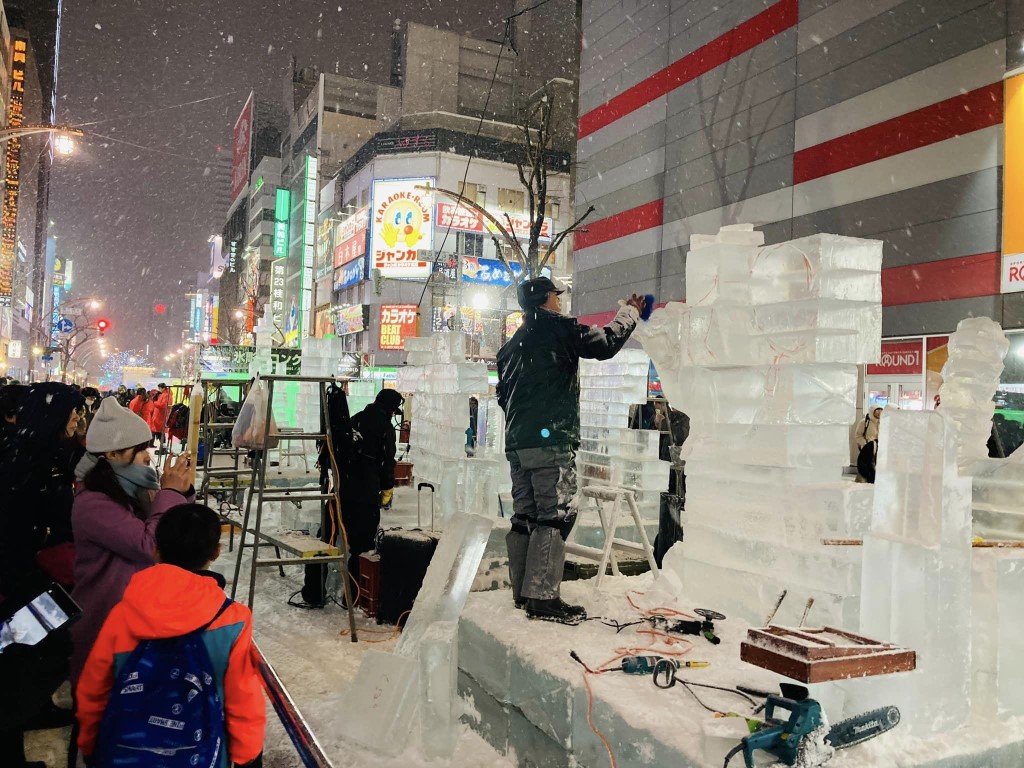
x,y
158,109
148,149
479,127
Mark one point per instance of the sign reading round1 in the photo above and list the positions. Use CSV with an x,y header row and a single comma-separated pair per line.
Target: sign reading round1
x,y
402,227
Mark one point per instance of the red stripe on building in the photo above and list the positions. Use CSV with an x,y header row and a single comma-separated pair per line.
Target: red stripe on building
x,y
965,277
962,114
619,225
759,29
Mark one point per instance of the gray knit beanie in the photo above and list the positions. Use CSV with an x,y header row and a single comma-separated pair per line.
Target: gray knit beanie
x,y
115,428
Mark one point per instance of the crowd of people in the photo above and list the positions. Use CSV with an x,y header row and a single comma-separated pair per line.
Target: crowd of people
x,y
83,509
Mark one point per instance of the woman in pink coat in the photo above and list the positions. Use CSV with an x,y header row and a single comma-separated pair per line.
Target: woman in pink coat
x,y
115,517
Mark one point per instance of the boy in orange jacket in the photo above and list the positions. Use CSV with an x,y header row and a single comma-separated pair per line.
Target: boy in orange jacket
x,y
175,597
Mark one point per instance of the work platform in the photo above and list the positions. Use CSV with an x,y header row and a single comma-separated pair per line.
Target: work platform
x,y
528,695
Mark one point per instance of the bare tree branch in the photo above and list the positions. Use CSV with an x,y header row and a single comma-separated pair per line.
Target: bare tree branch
x,y
517,249
562,235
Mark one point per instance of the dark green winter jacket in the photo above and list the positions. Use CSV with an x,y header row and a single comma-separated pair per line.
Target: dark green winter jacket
x,y
538,374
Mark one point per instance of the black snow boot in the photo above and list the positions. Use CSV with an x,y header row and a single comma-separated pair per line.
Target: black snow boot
x,y
555,610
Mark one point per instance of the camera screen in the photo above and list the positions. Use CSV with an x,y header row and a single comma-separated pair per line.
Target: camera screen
x,y
29,625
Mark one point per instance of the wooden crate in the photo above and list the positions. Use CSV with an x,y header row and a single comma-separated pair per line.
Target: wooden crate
x,y
821,655
369,582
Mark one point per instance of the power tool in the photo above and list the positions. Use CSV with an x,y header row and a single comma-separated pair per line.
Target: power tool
x,y
703,626
791,721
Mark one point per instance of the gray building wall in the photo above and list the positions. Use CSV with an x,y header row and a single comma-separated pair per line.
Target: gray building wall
x,y
698,113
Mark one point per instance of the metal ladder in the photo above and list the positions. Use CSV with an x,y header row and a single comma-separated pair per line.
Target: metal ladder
x,y
209,430
306,549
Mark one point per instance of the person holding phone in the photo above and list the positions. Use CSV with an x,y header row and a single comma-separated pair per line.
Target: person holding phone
x,y
116,514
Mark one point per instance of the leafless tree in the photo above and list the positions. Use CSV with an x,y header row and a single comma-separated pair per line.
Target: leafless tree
x,y
533,174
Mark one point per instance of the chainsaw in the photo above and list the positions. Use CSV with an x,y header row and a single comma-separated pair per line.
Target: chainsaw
x,y
797,735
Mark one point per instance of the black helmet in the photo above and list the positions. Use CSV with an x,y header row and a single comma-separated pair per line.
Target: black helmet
x,y
391,400
533,293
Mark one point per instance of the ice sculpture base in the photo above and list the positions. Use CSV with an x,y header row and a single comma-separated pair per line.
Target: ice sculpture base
x,y
525,671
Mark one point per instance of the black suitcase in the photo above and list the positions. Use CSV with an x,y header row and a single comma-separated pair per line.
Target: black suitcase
x,y
404,557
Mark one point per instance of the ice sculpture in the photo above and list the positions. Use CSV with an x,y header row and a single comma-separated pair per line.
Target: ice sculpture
x,y
393,693
441,381
970,378
916,587
763,357
610,453
487,474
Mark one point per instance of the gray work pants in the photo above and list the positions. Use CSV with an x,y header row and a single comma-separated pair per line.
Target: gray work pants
x,y
543,487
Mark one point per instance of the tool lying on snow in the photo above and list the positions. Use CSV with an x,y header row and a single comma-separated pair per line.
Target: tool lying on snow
x,y
704,626
646,665
799,734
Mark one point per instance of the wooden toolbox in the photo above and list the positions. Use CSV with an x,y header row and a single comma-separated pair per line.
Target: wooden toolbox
x,y
821,655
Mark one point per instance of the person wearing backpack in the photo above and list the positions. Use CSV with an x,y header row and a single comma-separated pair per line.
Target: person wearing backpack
x,y
867,430
172,673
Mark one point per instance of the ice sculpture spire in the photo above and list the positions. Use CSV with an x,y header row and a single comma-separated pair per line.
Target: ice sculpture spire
x,y
969,381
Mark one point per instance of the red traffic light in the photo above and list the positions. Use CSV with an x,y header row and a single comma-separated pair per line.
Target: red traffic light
x,y
102,325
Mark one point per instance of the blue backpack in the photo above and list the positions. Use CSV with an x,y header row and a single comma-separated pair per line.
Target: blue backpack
x,y
164,709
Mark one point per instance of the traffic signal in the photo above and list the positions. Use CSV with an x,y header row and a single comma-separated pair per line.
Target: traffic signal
x,y
102,325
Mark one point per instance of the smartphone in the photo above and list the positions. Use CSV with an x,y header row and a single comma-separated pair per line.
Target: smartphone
x,y
49,611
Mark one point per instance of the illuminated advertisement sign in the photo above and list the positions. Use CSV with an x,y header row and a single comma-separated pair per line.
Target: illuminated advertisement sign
x,y
325,243
491,271
351,319
282,209
466,219
397,323
403,227
350,274
308,246
241,144
277,275
12,172
350,237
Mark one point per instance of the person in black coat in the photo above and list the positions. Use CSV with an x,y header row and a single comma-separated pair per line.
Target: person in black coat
x,y
370,476
539,391
36,478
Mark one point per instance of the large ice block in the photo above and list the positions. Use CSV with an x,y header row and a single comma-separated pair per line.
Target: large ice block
x,y
916,584
394,693
763,357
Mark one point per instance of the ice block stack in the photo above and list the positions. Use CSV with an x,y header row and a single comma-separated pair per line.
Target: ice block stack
x,y
441,389
916,589
610,453
487,472
763,358
970,378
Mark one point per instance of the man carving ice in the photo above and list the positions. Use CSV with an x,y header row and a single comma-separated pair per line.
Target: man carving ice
x,y
539,391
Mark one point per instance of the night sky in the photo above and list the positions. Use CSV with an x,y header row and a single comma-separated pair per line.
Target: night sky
x,y
136,219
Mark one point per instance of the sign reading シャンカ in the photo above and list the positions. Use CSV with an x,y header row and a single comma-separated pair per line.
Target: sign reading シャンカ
x,y
402,226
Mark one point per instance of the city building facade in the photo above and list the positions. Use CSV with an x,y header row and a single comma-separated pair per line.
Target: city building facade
x,y
883,120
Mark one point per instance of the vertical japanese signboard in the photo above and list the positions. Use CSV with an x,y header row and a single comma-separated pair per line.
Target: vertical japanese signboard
x,y
282,210
12,172
240,149
402,227
277,277
308,246
397,323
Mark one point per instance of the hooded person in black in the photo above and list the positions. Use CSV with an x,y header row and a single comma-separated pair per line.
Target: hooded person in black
x,y
370,477
37,476
539,391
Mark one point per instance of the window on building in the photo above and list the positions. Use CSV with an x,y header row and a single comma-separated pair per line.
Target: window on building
x,y
364,197
511,200
551,207
470,243
475,192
